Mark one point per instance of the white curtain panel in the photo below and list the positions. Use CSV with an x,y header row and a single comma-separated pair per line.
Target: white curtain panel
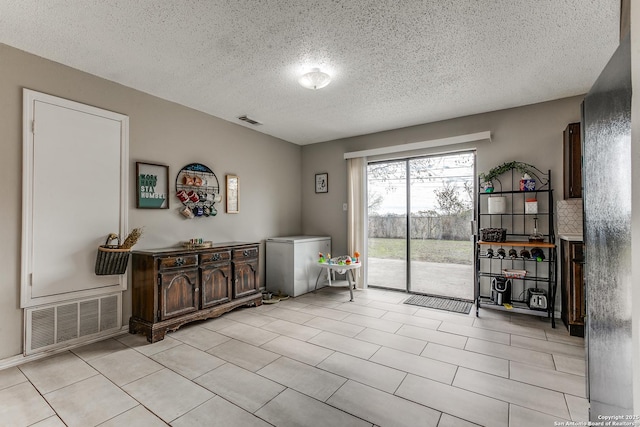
x,y
357,214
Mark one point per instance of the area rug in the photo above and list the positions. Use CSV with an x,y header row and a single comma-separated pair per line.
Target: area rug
x,y
440,303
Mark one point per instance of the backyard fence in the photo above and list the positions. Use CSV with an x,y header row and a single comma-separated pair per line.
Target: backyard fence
x,y
442,227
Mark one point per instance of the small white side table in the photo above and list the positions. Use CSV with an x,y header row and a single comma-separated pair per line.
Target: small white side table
x,y
331,268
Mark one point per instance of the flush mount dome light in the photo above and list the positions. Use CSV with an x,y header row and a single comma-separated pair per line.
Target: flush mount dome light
x,y
315,79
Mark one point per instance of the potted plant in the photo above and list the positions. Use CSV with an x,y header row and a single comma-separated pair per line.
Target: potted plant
x,y
525,169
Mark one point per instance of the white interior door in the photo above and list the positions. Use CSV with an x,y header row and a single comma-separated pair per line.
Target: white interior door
x,y
74,195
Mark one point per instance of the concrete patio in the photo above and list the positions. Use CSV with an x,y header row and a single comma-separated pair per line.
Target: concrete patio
x,y
451,280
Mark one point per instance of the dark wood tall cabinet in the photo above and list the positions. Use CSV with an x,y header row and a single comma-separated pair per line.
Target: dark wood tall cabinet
x,y
572,157
174,286
572,287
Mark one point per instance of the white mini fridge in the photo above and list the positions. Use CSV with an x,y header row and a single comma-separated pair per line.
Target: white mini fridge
x,y
292,263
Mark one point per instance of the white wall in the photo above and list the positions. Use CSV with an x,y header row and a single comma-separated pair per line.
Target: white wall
x,y
160,132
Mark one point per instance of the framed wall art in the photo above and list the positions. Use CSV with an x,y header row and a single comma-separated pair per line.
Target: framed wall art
x,y
152,182
322,182
233,194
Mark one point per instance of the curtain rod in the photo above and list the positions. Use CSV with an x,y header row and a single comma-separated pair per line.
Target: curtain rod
x,y
452,140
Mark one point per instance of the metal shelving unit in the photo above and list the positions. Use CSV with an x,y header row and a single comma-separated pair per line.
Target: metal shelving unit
x,y
541,271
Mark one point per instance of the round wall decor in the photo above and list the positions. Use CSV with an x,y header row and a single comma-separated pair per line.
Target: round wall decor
x,y
198,188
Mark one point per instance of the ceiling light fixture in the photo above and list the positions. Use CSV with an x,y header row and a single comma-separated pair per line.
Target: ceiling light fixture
x,y
315,79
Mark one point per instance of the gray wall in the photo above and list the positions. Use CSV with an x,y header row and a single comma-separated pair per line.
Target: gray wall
x,y
276,178
531,134
160,132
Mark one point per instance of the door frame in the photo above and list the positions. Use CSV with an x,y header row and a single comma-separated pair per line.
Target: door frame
x,y
64,162
406,160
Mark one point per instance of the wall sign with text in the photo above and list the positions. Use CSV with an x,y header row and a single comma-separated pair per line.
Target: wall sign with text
x,y
152,183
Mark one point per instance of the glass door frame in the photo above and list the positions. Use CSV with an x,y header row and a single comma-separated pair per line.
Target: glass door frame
x,y
406,161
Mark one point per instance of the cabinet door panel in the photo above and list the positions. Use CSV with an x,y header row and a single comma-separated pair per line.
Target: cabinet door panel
x,y
577,282
577,299
572,162
178,293
566,283
246,278
216,284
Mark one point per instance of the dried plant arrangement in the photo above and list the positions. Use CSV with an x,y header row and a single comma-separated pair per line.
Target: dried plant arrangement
x,y
132,238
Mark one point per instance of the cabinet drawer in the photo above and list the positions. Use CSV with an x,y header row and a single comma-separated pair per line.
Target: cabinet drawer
x,y
218,256
178,261
245,253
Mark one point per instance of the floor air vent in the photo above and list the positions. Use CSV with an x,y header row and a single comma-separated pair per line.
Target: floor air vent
x,y
66,323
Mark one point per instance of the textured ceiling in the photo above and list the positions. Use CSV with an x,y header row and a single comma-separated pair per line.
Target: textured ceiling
x,y
394,63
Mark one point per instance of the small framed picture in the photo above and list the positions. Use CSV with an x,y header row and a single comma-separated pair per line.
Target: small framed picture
x,y
322,182
233,194
152,183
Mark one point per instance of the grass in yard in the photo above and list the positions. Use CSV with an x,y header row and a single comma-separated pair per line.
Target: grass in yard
x,y
446,251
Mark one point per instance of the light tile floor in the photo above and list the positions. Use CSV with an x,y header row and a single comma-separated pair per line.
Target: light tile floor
x,y
315,360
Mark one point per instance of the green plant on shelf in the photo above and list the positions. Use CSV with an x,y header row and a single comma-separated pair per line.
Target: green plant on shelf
x,y
493,174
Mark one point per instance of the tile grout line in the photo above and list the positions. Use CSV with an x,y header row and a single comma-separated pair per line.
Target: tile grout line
x,y
331,352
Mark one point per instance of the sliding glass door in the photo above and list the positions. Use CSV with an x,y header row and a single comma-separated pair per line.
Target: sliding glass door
x,y
387,234
419,236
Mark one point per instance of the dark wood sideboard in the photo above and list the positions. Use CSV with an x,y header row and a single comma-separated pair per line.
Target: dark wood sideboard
x,y
175,286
